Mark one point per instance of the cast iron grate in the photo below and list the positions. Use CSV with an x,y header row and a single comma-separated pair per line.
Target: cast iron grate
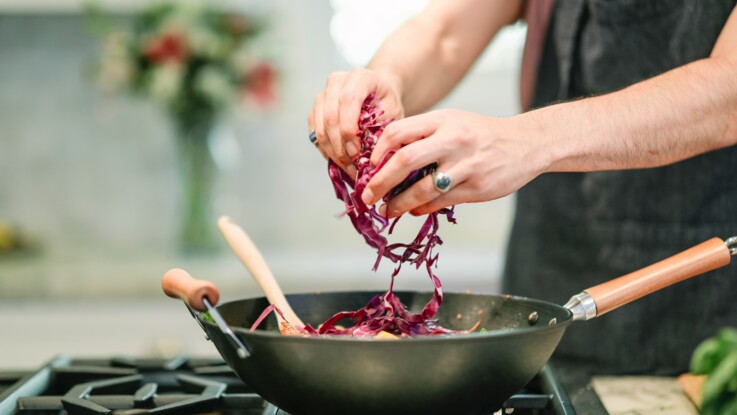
x,y
122,386
131,387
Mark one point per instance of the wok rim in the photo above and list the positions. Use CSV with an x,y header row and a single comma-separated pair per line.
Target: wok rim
x,y
474,336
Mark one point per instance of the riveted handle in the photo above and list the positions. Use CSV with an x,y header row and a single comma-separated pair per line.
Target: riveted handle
x,y
697,260
177,283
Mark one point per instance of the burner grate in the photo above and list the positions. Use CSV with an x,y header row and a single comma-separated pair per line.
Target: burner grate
x,y
130,387
182,386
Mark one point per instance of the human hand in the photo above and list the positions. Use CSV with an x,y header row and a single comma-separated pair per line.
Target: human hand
x,y
334,116
485,157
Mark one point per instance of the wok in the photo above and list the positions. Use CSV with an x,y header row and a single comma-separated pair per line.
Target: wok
x,y
460,374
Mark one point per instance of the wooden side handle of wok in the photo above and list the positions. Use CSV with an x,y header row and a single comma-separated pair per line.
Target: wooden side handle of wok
x,y
177,283
704,257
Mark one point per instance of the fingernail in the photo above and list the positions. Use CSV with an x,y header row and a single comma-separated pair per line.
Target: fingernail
x,y
351,149
388,213
382,210
367,196
415,213
351,170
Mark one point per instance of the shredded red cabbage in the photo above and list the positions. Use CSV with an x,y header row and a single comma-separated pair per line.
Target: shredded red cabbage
x,y
384,312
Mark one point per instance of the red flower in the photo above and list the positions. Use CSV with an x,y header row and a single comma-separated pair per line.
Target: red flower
x,y
168,47
261,84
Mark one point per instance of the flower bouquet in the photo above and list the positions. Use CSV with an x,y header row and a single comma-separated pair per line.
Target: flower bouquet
x,y
196,61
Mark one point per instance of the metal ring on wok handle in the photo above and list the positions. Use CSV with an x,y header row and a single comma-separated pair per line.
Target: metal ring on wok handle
x,y
196,294
605,297
732,245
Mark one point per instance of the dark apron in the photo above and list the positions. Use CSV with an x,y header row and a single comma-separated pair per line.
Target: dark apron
x,y
575,230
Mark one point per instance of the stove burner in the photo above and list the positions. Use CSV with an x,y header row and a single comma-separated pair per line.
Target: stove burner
x,y
80,401
184,386
131,387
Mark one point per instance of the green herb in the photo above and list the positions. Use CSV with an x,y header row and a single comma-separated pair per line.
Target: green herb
x,y
717,359
207,317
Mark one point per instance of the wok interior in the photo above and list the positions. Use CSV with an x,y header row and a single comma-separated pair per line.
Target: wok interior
x,y
459,311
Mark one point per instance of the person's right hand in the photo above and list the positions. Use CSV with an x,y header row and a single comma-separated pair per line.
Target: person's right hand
x,y
334,116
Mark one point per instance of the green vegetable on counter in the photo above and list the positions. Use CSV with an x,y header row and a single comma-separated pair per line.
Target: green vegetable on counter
x,y
717,359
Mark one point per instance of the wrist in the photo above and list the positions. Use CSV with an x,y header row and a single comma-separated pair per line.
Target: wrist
x,y
394,82
542,153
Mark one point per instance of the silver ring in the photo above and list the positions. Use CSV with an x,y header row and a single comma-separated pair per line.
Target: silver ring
x,y
441,181
313,137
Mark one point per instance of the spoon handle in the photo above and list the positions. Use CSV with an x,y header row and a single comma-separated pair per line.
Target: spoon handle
x,y
251,257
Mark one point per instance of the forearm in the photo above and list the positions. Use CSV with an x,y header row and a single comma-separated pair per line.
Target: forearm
x,y
679,114
429,55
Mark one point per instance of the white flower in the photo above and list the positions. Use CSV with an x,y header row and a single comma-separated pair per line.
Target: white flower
x,y
241,59
116,45
204,42
165,82
115,74
214,85
116,68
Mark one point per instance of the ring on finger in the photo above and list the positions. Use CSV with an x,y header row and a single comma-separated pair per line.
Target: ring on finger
x,y
313,137
441,181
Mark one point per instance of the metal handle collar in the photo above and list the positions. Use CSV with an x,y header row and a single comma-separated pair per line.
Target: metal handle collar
x,y
582,305
732,245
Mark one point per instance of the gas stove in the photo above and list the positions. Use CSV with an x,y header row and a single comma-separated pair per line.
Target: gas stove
x,y
184,385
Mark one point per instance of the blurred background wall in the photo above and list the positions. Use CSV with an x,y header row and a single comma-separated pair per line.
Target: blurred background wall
x,y
92,182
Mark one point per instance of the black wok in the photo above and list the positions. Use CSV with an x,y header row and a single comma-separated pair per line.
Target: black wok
x,y
459,374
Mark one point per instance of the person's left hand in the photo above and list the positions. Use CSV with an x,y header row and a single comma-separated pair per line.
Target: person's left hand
x,y
485,157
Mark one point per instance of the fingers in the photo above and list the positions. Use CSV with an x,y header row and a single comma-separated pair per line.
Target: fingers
x,y
423,197
461,193
403,132
316,122
426,148
335,116
401,164
355,91
331,113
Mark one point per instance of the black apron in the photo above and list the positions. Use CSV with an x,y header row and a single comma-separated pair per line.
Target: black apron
x,y
574,230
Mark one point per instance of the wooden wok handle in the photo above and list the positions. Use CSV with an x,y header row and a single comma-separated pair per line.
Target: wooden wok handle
x,y
177,283
704,257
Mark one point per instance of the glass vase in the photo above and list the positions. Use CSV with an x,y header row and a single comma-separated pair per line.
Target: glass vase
x,y
197,169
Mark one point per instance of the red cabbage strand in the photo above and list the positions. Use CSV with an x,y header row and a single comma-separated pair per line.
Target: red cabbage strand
x,y
384,312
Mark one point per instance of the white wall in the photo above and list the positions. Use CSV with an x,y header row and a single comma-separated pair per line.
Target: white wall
x,y
95,179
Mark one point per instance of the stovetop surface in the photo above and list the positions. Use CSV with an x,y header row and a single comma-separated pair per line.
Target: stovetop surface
x,y
125,386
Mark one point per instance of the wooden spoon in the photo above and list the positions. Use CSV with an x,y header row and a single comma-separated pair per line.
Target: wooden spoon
x,y
251,257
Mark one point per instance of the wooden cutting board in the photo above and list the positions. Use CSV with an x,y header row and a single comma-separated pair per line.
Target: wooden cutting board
x,y
692,385
642,395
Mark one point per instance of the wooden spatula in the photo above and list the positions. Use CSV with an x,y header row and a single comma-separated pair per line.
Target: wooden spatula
x,y
251,257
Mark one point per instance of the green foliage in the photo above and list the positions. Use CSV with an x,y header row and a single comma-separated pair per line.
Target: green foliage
x,y
717,358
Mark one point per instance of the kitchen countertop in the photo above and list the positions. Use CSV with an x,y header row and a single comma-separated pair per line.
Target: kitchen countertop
x,y
36,331
115,307
640,394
